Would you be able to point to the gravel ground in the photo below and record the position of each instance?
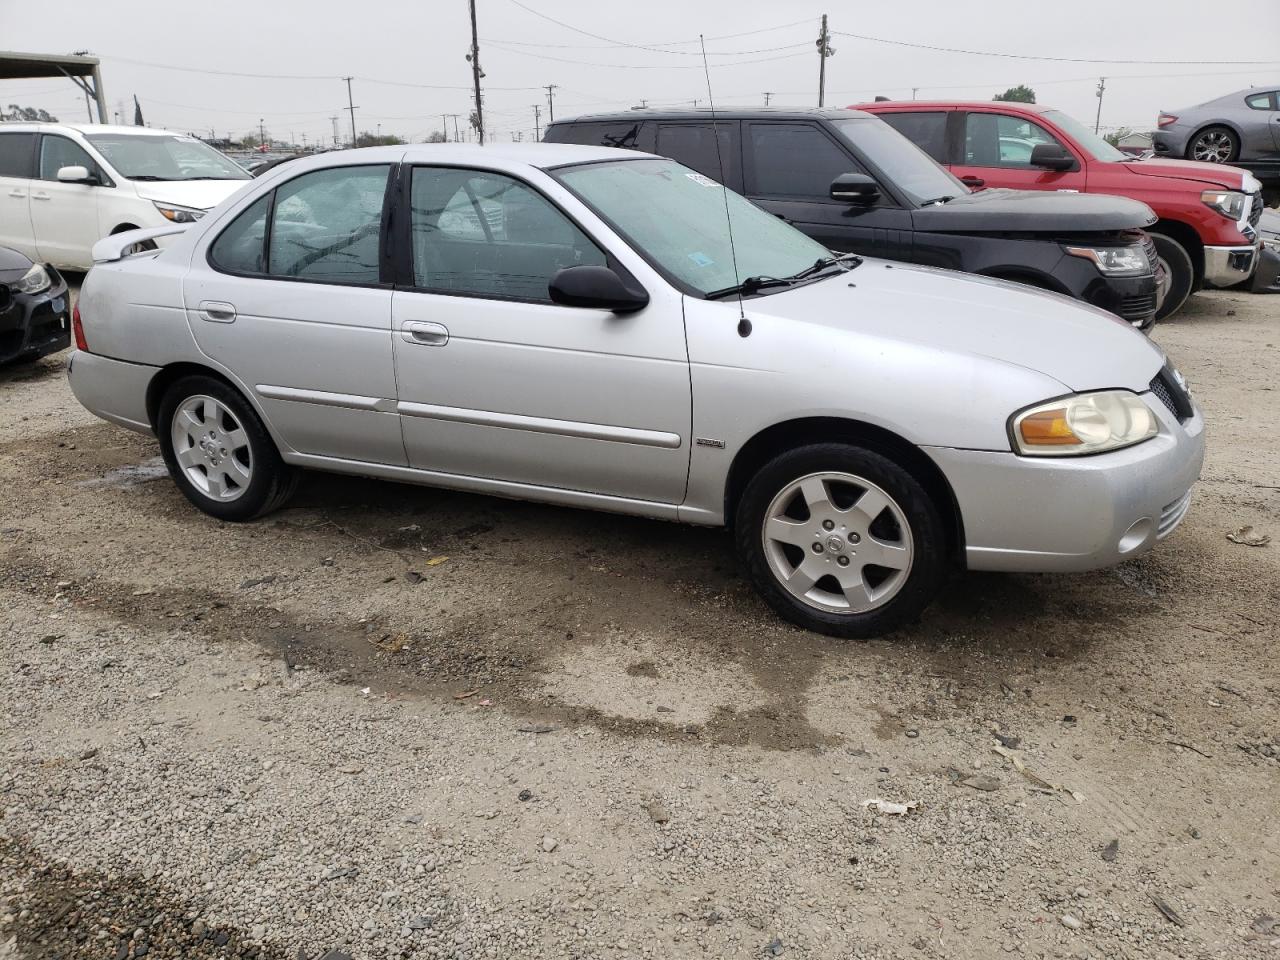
(398, 722)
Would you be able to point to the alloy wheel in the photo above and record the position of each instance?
(1213, 146)
(212, 448)
(838, 542)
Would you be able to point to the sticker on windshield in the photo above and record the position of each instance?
(700, 259)
(699, 178)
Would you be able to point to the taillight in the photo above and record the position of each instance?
(1165, 119)
(77, 330)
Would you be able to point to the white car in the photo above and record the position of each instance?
(63, 187)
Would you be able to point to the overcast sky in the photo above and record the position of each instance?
(408, 57)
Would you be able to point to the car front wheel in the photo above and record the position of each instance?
(1179, 275)
(218, 451)
(841, 540)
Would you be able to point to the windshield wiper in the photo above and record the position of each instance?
(946, 199)
(754, 284)
(151, 177)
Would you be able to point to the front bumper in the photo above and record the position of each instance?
(34, 325)
(1070, 514)
(1227, 266)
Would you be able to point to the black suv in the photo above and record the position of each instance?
(856, 185)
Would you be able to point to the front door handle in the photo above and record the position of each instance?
(18, 193)
(216, 311)
(424, 334)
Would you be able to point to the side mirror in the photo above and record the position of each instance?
(855, 188)
(1052, 156)
(599, 287)
(76, 174)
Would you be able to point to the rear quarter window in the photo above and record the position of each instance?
(625, 135)
(16, 153)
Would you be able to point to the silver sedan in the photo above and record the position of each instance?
(1244, 125)
(579, 326)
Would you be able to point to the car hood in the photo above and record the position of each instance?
(1215, 174)
(198, 194)
(1080, 346)
(1036, 211)
(13, 262)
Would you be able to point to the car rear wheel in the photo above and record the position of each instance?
(1179, 275)
(1214, 145)
(219, 453)
(841, 540)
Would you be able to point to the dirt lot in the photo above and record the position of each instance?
(392, 721)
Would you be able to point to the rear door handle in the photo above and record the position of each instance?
(424, 334)
(40, 196)
(217, 311)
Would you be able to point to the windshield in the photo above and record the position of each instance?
(164, 156)
(1089, 141)
(676, 218)
(912, 170)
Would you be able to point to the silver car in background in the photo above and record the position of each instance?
(577, 325)
(1244, 125)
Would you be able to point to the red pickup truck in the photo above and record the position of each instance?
(1207, 232)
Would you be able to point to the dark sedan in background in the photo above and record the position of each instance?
(35, 308)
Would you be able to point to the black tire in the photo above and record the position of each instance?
(1181, 273)
(929, 564)
(1221, 141)
(271, 480)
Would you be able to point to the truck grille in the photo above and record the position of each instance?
(1255, 212)
(1165, 387)
(1149, 248)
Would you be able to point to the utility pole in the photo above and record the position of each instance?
(444, 126)
(262, 135)
(351, 108)
(824, 50)
(334, 118)
(767, 96)
(551, 102)
(914, 91)
(476, 72)
(694, 102)
(457, 137)
(537, 121)
(1102, 88)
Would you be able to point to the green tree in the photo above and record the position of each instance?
(1019, 94)
(368, 139)
(435, 136)
(29, 114)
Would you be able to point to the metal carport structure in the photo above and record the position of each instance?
(82, 71)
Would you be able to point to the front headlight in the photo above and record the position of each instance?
(1088, 423)
(1229, 203)
(179, 214)
(1114, 261)
(35, 280)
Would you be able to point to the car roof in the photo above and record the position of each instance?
(86, 128)
(541, 156)
(723, 113)
(955, 104)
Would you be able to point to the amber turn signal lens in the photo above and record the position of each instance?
(1047, 428)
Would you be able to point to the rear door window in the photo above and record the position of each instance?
(928, 131)
(326, 225)
(694, 145)
(625, 135)
(794, 160)
(16, 151)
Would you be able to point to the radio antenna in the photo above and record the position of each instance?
(744, 325)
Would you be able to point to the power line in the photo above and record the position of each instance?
(646, 66)
(628, 46)
(1028, 56)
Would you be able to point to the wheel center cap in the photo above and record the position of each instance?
(835, 544)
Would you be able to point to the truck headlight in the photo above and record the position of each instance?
(35, 280)
(179, 214)
(1086, 423)
(1114, 261)
(1229, 203)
